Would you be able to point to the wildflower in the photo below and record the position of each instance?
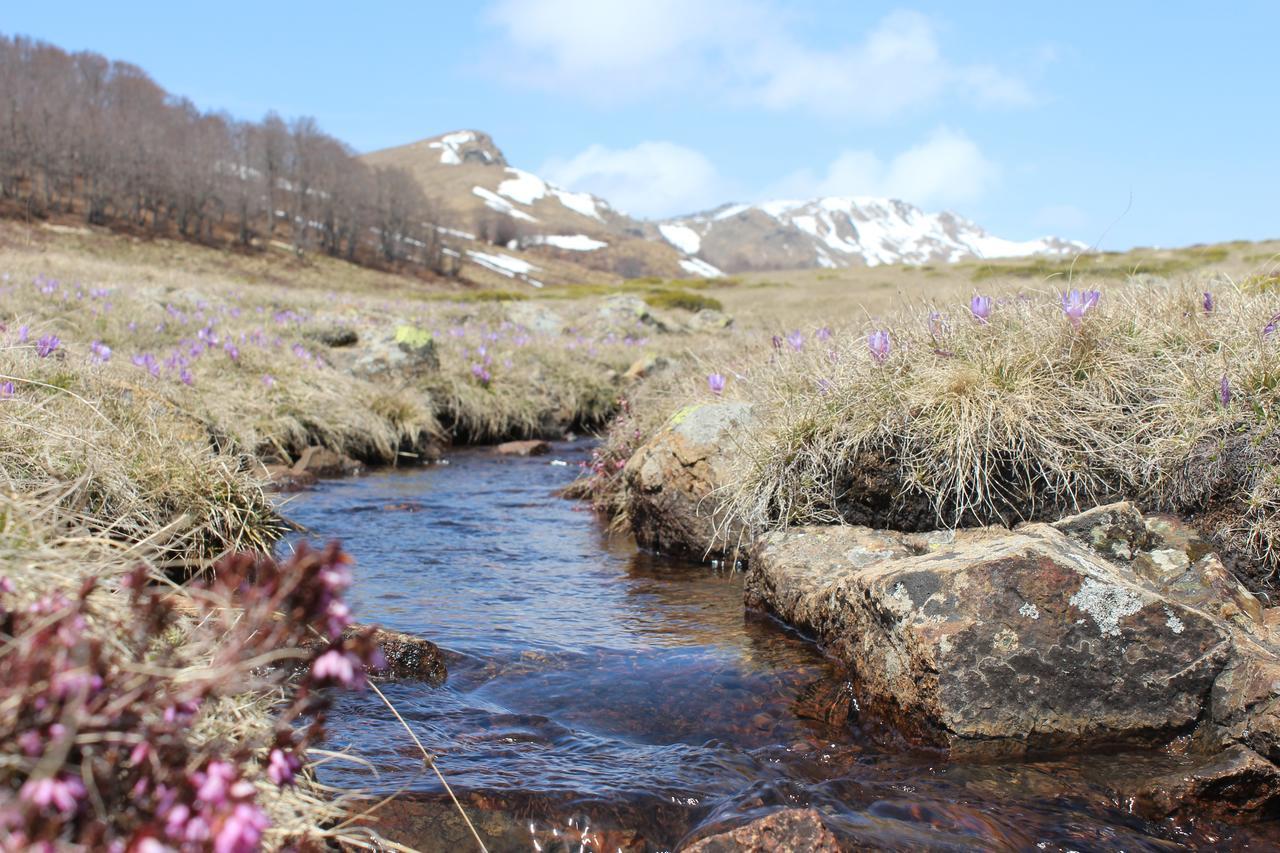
(63, 793)
(1272, 324)
(937, 325)
(337, 667)
(823, 334)
(241, 831)
(139, 753)
(47, 345)
(282, 766)
(482, 374)
(24, 333)
(232, 351)
(796, 340)
(825, 387)
(880, 344)
(186, 377)
(6, 390)
(1076, 304)
(337, 618)
(715, 382)
(1224, 392)
(980, 306)
(99, 353)
(214, 783)
(777, 341)
(268, 380)
(1208, 302)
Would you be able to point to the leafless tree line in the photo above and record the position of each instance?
(83, 135)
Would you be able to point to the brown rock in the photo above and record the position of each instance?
(1245, 704)
(282, 478)
(645, 366)
(786, 831)
(408, 656)
(1236, 785)
(523, 448)
(672, 481)
(992, 642)
(323, 462)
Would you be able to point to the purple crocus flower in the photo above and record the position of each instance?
(823, 334)
(715, 382)
(824, 387)
(186, 377)
(1272, 324)
(1076, 304)
(1208, 302)
(24, 333)
(99, 353)
(232, 351)
(981, 308)
(777, 341)
(47, 345)
(1224, 392)
(879, 344)
(481, 374)
(268, 380)
(796, 340)
(6, 390)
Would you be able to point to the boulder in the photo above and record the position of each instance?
(535, 317)
(625, 314)
(533, 447)
(323, 462)
(709, 320)
(403, 354)
(335, 336)
(785, 831)
(672, 481)
(995, 642)
(645, 366)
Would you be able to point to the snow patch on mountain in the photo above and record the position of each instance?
(571, 242)
(450, 146)
(496, 202)
(682, 237)
(505, 265)
(697, 266)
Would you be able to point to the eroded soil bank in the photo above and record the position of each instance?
(626, 701)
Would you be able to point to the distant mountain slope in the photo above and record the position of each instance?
(483, 199)
(839, 232)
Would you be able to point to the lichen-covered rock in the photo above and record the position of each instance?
(403, 354)
(623, 314)
(785, 831)
(1234, 785)
(672, 481)
(994, 642)
(708, 320)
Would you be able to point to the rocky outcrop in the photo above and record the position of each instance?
(785, 831)
(672, 481)
(401, 355)
(1235, 785)
(1107, 627)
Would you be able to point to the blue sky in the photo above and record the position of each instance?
(1124, 123)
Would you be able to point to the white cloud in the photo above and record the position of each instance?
(745, 50)
(649, 179)
(945, 169)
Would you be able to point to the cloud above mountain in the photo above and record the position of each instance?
(650, 179)
(747, 51)
(946, 168)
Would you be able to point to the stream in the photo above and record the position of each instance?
(603, 698)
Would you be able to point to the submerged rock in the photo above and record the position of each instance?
(996, 642)
(533, 447)
(673, 481)
(408, 656)
(1235, 785)
(785, 831)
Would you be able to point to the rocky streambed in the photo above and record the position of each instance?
(1099, 684)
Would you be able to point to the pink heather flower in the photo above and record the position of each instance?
(716, 382)
(980, 306)
(336, 577)
(6, 585)
(337, 667)
(181, 713)
(337, 618)
(139, 753)
(47, 345)
(241, 831)
(1076, 304)
(282, 766)
(213, 784)
(796, 340)
(880, 344)
(63, 793)
(1208, 302)
(6, 390)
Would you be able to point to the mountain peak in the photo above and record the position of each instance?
(465, 146)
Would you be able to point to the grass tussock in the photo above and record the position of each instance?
(1160, 394)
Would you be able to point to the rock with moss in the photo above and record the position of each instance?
(674, 482)
(405, 354)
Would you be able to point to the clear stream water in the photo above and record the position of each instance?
(603, 698)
